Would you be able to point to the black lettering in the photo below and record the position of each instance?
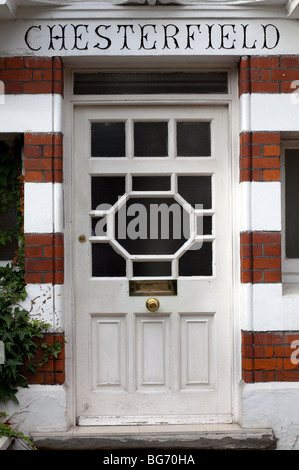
(79, 36)
(210, 26)
(62, 37)
(172, 36)
(245, 26)
(103, 37)
(266, 45)
(144, 37)
(226, 36)
(191, 35)
(26, 38)
(125, 26)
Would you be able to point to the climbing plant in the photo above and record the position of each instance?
(21, 335)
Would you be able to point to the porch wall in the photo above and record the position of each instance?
(269, 325)
(33, 96)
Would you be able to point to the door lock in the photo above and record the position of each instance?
(152, 304)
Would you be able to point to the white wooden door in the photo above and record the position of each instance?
(132, 164)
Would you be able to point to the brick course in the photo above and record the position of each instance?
(32, 75)
(51, 372)
(260, 254)
(44, 258)
(268, 74)
(260, 156)
(270, 356)
(43, 157)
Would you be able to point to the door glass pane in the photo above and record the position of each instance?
(196, 190)
(106, 190)
(154, 82)
(106, 262)
(151, 183)
(193, 139)
(197, 262)
(150, 139)
(152, 268)
(292, 203)
(108, 139)
(204, 225)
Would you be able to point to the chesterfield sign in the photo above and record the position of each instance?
(151, 37)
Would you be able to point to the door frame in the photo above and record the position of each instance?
(231, 100)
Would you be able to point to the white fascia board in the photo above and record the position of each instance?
(31, 113)
(260, 206)
(270, 112)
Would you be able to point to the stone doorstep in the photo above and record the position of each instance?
(229, 436)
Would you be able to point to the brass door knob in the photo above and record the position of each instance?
(152, 304)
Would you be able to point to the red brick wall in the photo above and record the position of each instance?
(270, 356)
(260, 156)
(43, 158)
(51, 372)
(32, 75)
(260, 254)
(44, 258)
(268, 74)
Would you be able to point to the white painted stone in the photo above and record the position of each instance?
(264, 307)
(38, 215)
(40, 408)
(273, 405)
(260, 206)
(43, 208)
(270, 112)
(58, 207)
(272, 310)
(245, 307)
(44, 302)
(277, 112)
(245, 190)
(266, 206)
(31, 113)
(245, 112)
